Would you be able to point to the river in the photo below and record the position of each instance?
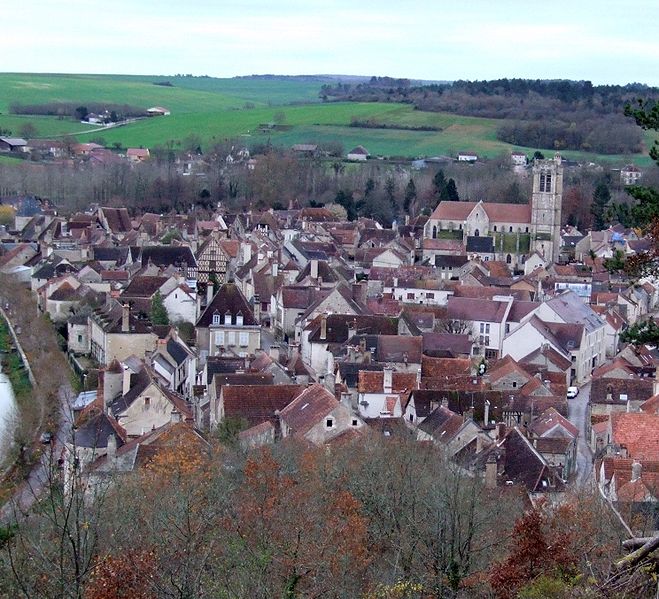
(7, 412)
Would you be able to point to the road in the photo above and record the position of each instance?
(577, 416)
(41, 474)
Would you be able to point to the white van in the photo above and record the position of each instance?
(572, 392)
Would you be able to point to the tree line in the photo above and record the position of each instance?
(559, 114)
(377, 518)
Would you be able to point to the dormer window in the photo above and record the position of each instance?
(227, 318)
(239, 319)
(216, 319)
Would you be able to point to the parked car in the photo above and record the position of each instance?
(572, 392)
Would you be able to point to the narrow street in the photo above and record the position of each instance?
(41, 474)
(577, 415)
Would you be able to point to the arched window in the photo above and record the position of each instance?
(510, 230)
(477, 233)
(509, 259)
(495, 228)
(434, 232)
(527, 229)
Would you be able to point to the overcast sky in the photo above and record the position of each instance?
(602, 40)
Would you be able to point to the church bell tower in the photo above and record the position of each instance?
(546, 207)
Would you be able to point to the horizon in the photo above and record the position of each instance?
(604, 42)
(423, 81)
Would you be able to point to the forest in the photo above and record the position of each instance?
(560, 114)
(375, 517)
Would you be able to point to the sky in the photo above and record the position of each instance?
(603, 41)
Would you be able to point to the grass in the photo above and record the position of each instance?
(45, 126)
(215, 110)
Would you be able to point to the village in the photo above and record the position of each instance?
(485, 328)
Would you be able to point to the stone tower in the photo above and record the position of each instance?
(546, 207)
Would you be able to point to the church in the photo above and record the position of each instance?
(499, 231)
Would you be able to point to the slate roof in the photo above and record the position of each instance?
(168, 255)
(144, 287)
(481, 244)
(229, 298)
(339, 326)
(398, 348)
(349, 371)
(111, 254)
(94, 433)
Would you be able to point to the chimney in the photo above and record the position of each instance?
(125, 318)
(501, 430)
(346, 400)
(623, 451)
(352, 329)
(314, 269)
(111, 448)
(486, 417)
(637, 470)
(491, 472)
(323, 327)
(330, 382)
(479, 444)
(126, 381)
(395, 281)
(256, 308)
(175, 416)
(444, 402)
(246, 252)
(468, 415)
(388, 376)
(359, 293)
(273, 352)
(275, 269)
(209, 293)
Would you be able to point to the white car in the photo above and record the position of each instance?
(572, 392)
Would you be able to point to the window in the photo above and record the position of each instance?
(507, 328)
(510, 229)
(526, 230)
(219, 338)
(410, 296)
(239, 320)
(430, 296)
(147, 403)
(79, 338)
(509, 259)
(354, 422)
(329, 422)
(434, 232)
(495, 228)
(482, 327)
(231, 338)
(514, 384)
(227, 318)
(216, 319)
(477, 233)
(244, 339)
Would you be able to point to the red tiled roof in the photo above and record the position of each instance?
(639, 432)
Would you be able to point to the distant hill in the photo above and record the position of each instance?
(215, 109)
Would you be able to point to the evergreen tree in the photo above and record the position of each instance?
(601, 198)
(410, 196)
(345, 199)
(158, 314)
(439, 185)
(452, 191)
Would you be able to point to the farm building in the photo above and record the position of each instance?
(158, 111)
(358, 153)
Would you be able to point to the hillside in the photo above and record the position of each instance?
(217, 109)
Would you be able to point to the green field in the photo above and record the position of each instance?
(45, 126)
(218, 109)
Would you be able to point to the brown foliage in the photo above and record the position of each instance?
(125, 576)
